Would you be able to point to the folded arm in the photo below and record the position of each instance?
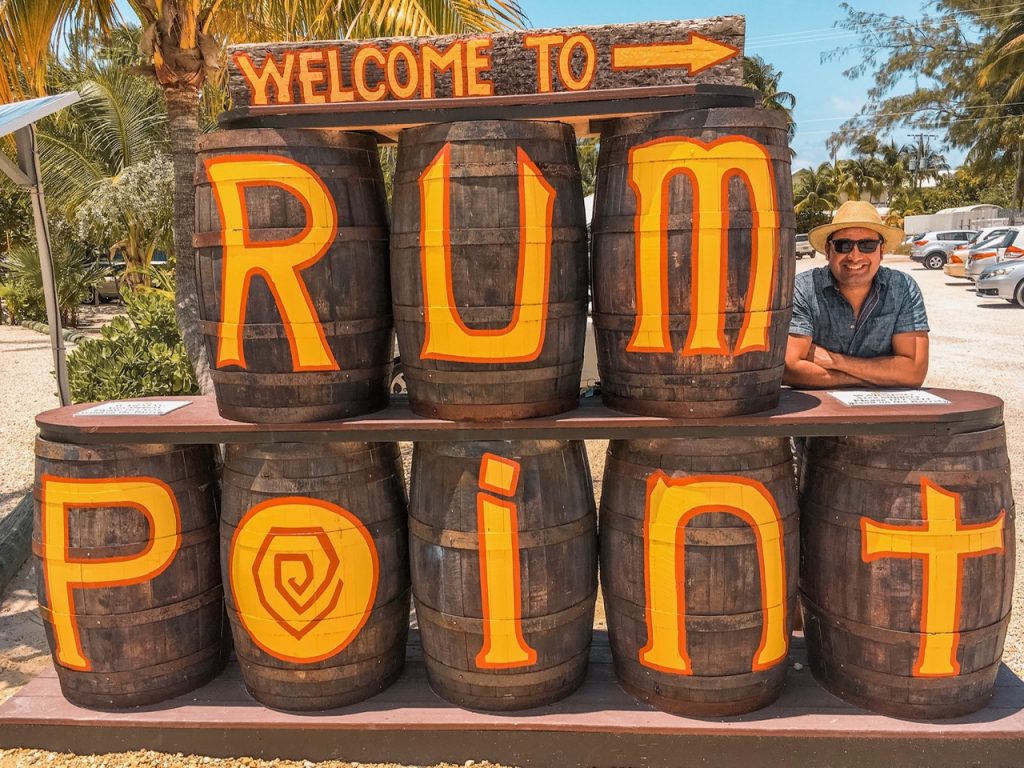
(808, 365)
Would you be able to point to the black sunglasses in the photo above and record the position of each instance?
(868, 245)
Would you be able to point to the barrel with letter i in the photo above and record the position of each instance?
(503, 545)
(906, 571)
(129, 580)
(699, 546)
(316, 569)
(292, 247)
(693, 259)
(489, 269)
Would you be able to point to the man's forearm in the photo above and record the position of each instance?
(808, 375)
(891, 371)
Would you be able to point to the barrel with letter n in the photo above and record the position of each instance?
(316, 569)
(907, 566)
(693, 259)
(699, 547)
(503, 546)
(489, 268)
(129, 580)
(292, 243)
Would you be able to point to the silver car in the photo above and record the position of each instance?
(1005, 280)
(992, 251)
(933, 248)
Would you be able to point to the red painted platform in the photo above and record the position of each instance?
(599, 725)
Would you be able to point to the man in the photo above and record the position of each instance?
(856, 323)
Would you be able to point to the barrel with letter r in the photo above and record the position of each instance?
(130, 593)
(693, 259)
(699, 548)
(292, 247)
(906, 571)
(489, 269)
(503, 545)
(316, 569)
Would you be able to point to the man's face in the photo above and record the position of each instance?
(854, 269)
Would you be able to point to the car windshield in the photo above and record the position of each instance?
(989, 240)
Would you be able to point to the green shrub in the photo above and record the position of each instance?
(139, 355)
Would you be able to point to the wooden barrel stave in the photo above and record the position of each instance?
(366, 480)
(681, 391)
(724, 615)
(485, 240)
(864, 627)
(348, 286)
(160, 638)
(557, 565)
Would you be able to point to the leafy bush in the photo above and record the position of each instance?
(140, 354)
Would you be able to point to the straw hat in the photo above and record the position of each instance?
(855, 213)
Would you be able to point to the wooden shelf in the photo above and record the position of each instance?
(799, 413)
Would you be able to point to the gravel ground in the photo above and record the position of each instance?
(975, 345)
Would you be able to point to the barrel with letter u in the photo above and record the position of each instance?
(129, 581)
(907, 567)
(699, 547)
(489, 268)
(503, 544)
(693, 260)
(292, 243)
(315, 561)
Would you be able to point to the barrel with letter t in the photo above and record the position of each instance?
(292, 244)
(503, 545)
(699, 545)
(693, 260)
(906, 570)
(129, 579)
(489, 269)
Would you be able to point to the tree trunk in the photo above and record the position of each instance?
(183, 126)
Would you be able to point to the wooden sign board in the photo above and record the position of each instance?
(567, 74)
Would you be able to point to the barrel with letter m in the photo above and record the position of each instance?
(292, 246)
(129, 579)
(699, 548)
(503, 545)
(489, 269)
(907, 567)
(693, 259)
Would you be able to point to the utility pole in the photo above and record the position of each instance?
(921, 154)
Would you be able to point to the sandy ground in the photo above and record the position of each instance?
(975, 345)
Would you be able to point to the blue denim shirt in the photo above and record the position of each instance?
(894, 305)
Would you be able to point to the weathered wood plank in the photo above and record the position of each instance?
(346, 76)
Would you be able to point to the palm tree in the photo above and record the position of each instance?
(815, 193)
(858, 177)
(185, 39)
(759, 74)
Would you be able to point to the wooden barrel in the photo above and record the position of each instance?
(493, 211)
(142, 599)
(315, 556)
(315, 201)
(907, 569)
(717, 519)
(503, 544)
(693, 292)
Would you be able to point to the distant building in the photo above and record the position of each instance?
(964, 217)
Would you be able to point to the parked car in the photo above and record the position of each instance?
(1003, 279)
(957, 263)
(804, 247)
(109, 288)
(1009, 245)
(933, 248)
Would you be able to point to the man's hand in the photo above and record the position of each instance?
(811, 366)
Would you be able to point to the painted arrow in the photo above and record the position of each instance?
(697, 54)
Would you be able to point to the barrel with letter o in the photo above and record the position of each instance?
(129, 580)
(292, 245)
(693, 260)
(503, 545)
(315, 561)
(489, 268)
(699, 547)
(907, 566)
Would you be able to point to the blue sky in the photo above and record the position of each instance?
(789, 34)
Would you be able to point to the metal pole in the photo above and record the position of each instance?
(28, 160)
